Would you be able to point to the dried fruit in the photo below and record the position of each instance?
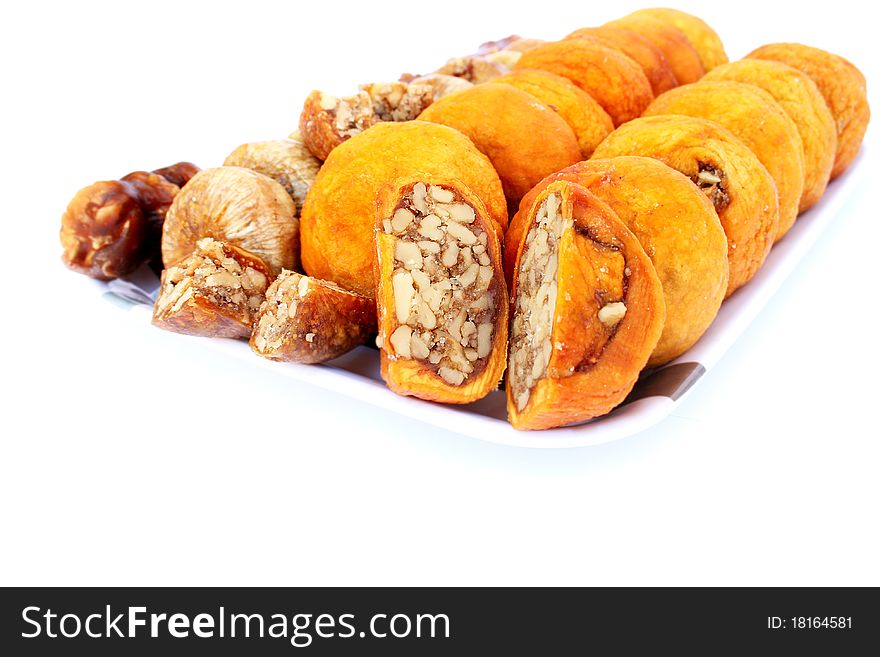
(841, 84)
(587, 311)
(441, 295)
(523, 138)
(798, 95)
(590, 123)
(476, 69)
(442, 85)
(774, 138)
(239, 207)
(703, 38)
(327, 121)
(675, 224)
(154, 192)
(104, 231)
(672, 42)
(513, 42)
(179, 173)
(113, 227)
(215, 292)
(340, 210)
(306, 320)
(616, 82)
(738, 185)
(287, 161)
(641, 50)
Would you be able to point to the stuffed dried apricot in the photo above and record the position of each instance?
(798, 95)
(699, 34)
(752, 115)
(590, 123)
(340, 209)
(587, 311)
(675, 224)
(523, 137)
(617, 82)
(725, 170)
(841, 84)
(441, 295)
(641, 50)
(672, 42)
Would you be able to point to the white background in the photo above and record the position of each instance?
(133, 456)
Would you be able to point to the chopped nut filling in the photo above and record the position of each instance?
(392, 101)
(442, 85)
(399, 101)
(282, 300)
(473, 68)
(351, 115)
(444, 284)
(232, 280)
(596, 271)
(712, 182)
(309, 320)
(535, 302)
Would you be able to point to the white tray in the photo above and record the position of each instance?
(655, 396)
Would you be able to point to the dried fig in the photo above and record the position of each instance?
(476, 69)
(239, 207)
(307, 320)
(442, 85)
(327, 121)
(215, 292)
(287, 161)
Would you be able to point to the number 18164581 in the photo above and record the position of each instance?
(809, 623)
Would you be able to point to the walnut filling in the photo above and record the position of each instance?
(350, 115)
(442, 85)
(219, 273)
(399, 101)
(532, 341)
(712, 182)
(392, 101)
(273, 329)
(444, 284)
(473, 68)
(532, 328)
